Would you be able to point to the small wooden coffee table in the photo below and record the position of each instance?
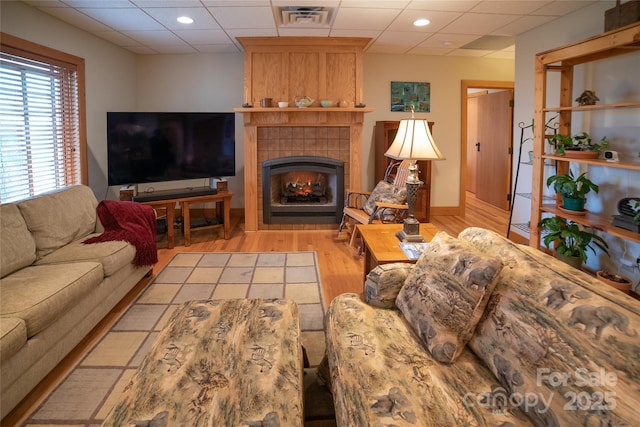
(381, 246)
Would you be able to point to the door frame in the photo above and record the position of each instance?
(465, 86)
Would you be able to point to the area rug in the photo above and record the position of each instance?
(92, 388)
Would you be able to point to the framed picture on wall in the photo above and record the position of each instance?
(406, 94)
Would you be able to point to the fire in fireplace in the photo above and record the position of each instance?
(302, 189)
(303, 186)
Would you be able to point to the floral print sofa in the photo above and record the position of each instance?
(484, 332)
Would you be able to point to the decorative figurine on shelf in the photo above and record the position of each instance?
(588, 97)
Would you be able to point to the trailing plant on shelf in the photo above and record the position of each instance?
(571, 239)
(573, 190)
(579, 142)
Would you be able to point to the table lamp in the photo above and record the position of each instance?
(413, 142)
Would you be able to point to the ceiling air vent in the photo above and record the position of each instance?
(304, 16)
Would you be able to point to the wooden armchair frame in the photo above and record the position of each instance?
(354, 213)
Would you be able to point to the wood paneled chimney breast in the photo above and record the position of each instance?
(286, 68)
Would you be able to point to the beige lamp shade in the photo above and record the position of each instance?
(413, 141)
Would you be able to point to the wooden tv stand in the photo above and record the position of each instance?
(168, 201)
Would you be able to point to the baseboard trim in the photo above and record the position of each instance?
(446, 210)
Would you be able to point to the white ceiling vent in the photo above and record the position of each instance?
(304, 16)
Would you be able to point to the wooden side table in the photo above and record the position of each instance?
(381, 246)
(223, 205)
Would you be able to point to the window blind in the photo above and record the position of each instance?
(39, 125)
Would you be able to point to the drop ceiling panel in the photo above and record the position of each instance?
(510, 7)
(444, 5)
(123, 19)
(103, 4)
(401, 38)
(364, 19)
(377, 4)
(167, 3)
(523, 24)
(155, 38)
(447, 41)
(202, 19)
(243, 17)
(78, 18)
(561, 8)
(204, 37)
(438, 20)
(479, 23)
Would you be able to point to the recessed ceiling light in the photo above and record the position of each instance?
(185, 20)
(422, 22)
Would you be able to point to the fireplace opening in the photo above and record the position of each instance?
(302, 189)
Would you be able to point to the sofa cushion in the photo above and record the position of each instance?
(40, 294)
(17, 247)
(13, 335)
(445, 294)
(383, 283)
(387, 193)
(552, 331)
(60, 217)
(383, 376)
(112, 255)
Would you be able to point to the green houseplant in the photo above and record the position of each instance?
(571, 240)
(573, 190)
(581, 142)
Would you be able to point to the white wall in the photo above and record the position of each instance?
(195, 83)
(614, 80)
(110, 76)
(445, 74)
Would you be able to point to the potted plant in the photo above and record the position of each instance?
(571, 240)
(573, 190)
(579, 145)
(615, 280)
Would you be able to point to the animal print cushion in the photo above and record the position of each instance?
(384, 282)
(387, 193)
(445, 294)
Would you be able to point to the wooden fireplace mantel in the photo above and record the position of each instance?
(286, 69)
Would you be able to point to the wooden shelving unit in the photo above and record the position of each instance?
(621, 41)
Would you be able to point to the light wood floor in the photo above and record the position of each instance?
(341, 270)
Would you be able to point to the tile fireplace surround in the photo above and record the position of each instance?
(271, 133)
(278, 142)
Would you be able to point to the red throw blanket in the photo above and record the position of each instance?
(131, 222)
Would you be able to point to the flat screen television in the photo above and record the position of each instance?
(155, 147)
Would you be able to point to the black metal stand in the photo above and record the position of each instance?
(522, 127)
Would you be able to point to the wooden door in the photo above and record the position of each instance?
(493, 173)
(472, 139)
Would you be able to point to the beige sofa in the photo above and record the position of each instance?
(53, 288)
(448, 342)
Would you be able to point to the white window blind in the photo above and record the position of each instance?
(39, 125)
